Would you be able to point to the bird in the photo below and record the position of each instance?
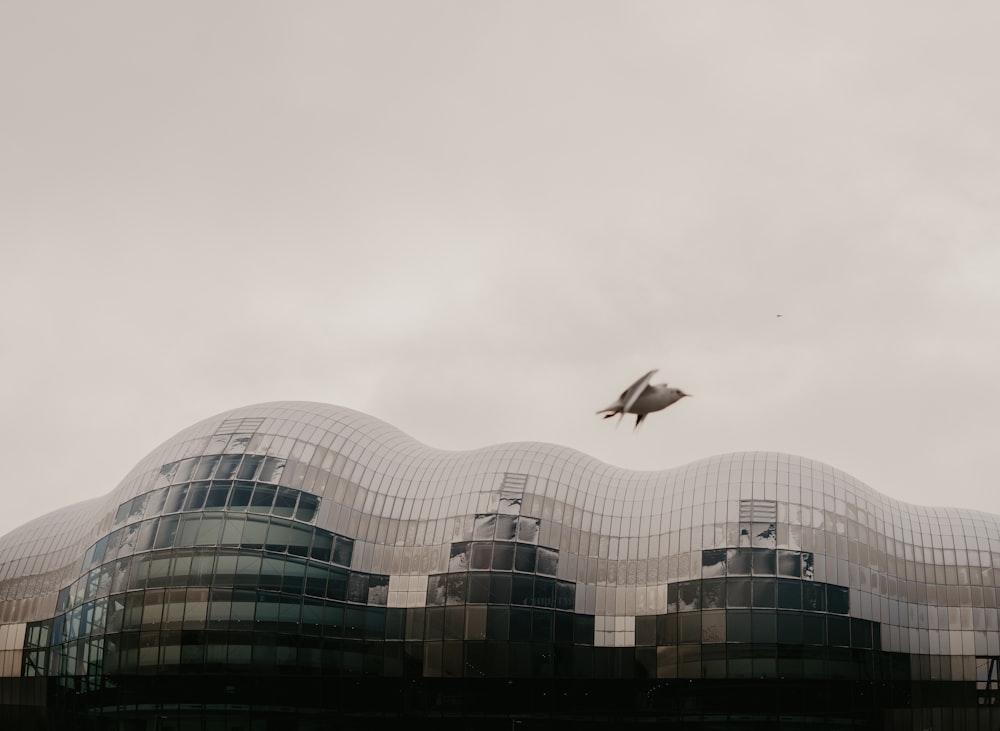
(642, 399)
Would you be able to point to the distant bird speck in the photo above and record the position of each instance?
(642, 399)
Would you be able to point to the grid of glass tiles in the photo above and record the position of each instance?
(727, 567)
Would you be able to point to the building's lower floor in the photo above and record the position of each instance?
(195, 702)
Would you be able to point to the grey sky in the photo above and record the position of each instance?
(480, 221)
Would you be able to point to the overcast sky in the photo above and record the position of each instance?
(481, 221)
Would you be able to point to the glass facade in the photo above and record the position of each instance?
(300, 566)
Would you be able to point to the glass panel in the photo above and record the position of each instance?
(484, 527)
(316, 580)
(456, 588)
(137, 507)
(459, 558)
(232, 533)
(689, 596)
(271, 571)
(763, 628)
(524, 558)
(713, 594)
(503, 557)
(240, 498)
(813, 628)
(521, 591)
(248, 568)
(837, 599)
(738, 592)
(738, 562)
(763, 592)
(527, 529)
(505, 526)
(813, 596)
(790, 628)
(271, 469)
(565, 595)
(166, 532)
(500, 588)
(284, 503)
(228, 466)
(218, 494)
(482, 555)
(378, 590)
(738, 626)
(548, 561)
(210, 530)
(263, 499)
(299, 540)
(254, 533)
(307, 506)
(206, 467)
(838, 631)
(789, 594)
(479, 588)
(175, 498)
(196, 495)
(713, 563)
(343, 550)
(279, 534)
(248, 468)
(764, 561)
(790, 564)
(357, 588)
(322, 546)
(187, 530)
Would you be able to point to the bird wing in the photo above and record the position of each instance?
(633, 392)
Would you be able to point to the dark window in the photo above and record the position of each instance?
(837, 599)
(521, 590)
(284, 502)
(240, 497)
(789, 594)
(218, 494)
(482, 556)
(839, 631)
(500, 588)
(306, 509)
(813, 596)
(790, 628)
(503, 557)
(479, 588)
(763, 627)
(689, 627)
(738, 626)
(520, 624)
(763, 592)
(813, 628)
(262, 499)
(738, 592)
(565, 595)
(525, 558)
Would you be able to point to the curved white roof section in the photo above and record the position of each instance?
(391, 493)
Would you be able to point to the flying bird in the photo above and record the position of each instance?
(642, 399)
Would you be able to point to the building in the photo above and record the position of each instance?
(301, 566)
